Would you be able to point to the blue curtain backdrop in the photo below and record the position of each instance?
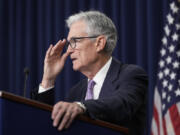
(28, 27)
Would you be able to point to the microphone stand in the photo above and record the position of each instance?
(26, 72)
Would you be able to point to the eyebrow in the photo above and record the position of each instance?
(81, 37)
(73, 38)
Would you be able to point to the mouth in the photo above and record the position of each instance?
(73, 59)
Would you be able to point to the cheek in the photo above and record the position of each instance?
(86, 57)
(83, 58)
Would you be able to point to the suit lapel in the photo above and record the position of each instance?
(111, 76)
(83, 89)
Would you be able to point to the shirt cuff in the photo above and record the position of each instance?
(81, 105)
(41, 89)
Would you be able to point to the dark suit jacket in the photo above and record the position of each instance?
(122, 99)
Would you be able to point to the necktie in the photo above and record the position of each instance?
(89, 93)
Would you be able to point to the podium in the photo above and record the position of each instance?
(22, 116)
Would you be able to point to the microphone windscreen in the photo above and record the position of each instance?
(26, 70)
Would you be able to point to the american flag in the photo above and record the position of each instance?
(166, 109)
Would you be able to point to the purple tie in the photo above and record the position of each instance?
(89, 93)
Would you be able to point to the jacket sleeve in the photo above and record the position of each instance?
(45, 97)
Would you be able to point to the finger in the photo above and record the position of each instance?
(48, 51)
(64, 41)
(76, 111)
(61, 45)
(65, 120)
(73, 116)
(58, 117)
(58, 44)
(56, 108)
(56, 47)
(64, 56)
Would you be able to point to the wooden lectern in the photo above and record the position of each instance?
(22, 116)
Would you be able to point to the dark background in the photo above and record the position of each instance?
(28, 27)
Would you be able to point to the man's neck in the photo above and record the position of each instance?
(96, 67)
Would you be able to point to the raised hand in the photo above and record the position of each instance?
(53, 63)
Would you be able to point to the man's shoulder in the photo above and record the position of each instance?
(123, 68)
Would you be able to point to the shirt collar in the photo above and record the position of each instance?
(101, 74)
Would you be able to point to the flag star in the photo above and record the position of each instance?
(177, 26)
(171, 48)
(163, 52)
(164, 41)
(163, 106)
(165, 83)
(178, 53)
(172, 76)
(177, 92)
(170, 19)
(175, 37)
(160, 75)
(170, 87)
(161, 63)
(173, 7)
(167, 30)
(169, 98)
(166, 71)
(164, 95)
(168, 59)
(176, 64)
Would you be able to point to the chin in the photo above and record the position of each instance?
(75, 68)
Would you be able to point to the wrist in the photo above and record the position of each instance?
(82, 106)
(47, 83)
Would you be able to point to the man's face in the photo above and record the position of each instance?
(84, 55)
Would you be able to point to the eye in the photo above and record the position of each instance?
(72, 41)
(77, 39)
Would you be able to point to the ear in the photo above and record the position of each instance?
(100, 43)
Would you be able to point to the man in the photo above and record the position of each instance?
(113, 91)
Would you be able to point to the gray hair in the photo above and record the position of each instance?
(97, 24)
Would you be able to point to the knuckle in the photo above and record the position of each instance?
(75, 109)
(67, 115)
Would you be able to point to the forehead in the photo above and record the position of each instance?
(77, 29)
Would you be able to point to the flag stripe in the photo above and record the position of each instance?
(178, 107)
(174, 115)
(169, 127)
(154, 128)
(158, 105)
(164, 127)
(156, 120)
(158, 114)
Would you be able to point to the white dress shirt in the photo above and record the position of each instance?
(99, 78)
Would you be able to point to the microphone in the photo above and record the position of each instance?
(26, 72)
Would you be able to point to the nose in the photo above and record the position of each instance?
(69, 49)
